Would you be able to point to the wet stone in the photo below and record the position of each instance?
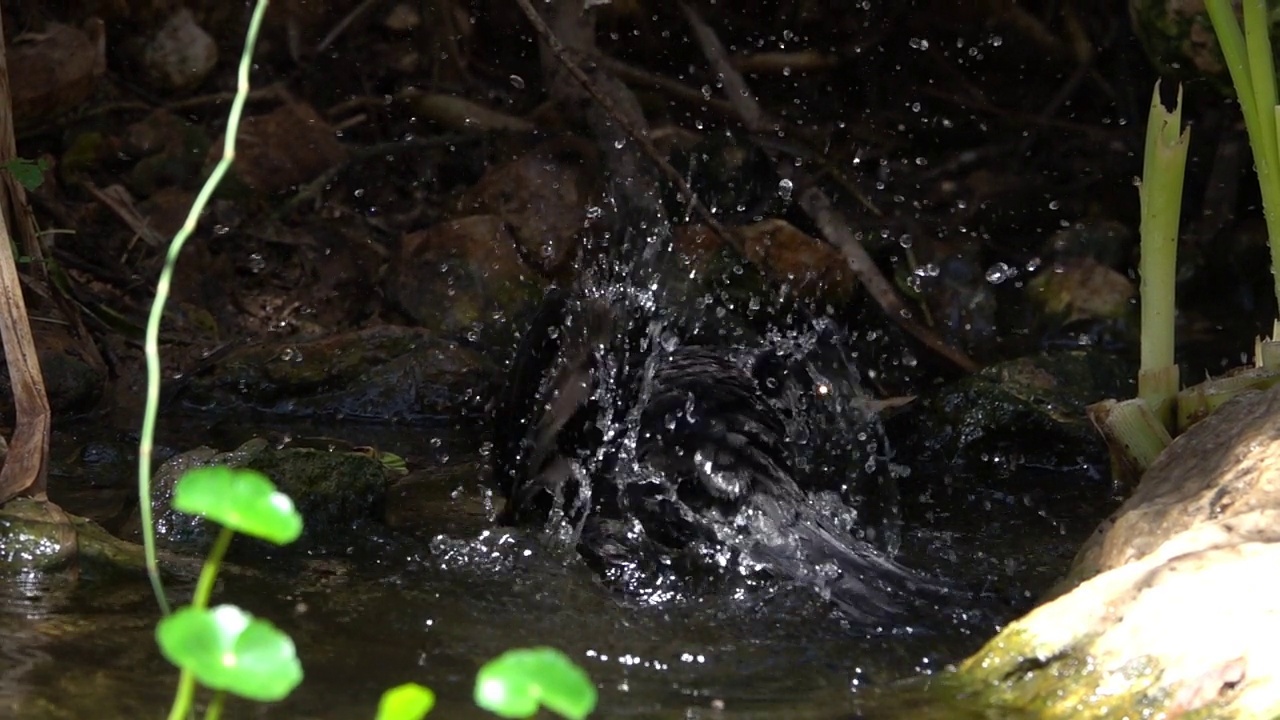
(337, 492)
(35, 535)
(382, 373)
(540, 196)
(465, 280)
(1027, 411)
(281, 150)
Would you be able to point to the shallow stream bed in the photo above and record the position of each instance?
(431, 607)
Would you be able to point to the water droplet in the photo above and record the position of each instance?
(998, 273)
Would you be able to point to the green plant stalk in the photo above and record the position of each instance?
(1160, 196)
(214, 711)
(1252, 66)
(184, 698)
(146, 444)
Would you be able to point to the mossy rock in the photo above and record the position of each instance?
(339, 493)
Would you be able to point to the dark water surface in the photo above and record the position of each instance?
(432, 607)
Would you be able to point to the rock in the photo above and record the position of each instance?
(402, 18)
(38, 536)
(54, 71)
(997, 419)
(1178, 614)
(283, 149)
(1084, 289)
(337, 492)
(953, 286)
(1185, 629)
(451, 500)
(181, 54)
(170, 151)
(1214, 479)
(35, 535)
(808, 266)
(382, 373)
(541, 197)
(464, 279)
(73, 384)
(712, 278)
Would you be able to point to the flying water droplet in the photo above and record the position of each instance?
(999, 272)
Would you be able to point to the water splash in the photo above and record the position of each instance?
(678, 445)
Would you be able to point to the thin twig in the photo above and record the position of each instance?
(816, 203)
(342, 26)
(642, 139)
(735, 86)
(836, 229)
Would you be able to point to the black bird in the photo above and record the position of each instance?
(655, 452)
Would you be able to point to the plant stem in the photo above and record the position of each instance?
(146, 443)
(1252, 65)
(185, 695)
(1160, 195)
(209, 572)
(214, 711)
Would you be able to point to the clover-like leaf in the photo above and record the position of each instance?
(518, 682)
(409, 701)
(240, 499)
(228, 649)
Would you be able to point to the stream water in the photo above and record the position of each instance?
(432, 606)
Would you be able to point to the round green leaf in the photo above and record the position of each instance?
(240, 499)
(28, 173)
(228, 649)
(516, 683)
(410, 701)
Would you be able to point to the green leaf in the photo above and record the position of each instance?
(518, 682)
(410, 701)
(28, 173)
(240, 499)
(228, 649)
